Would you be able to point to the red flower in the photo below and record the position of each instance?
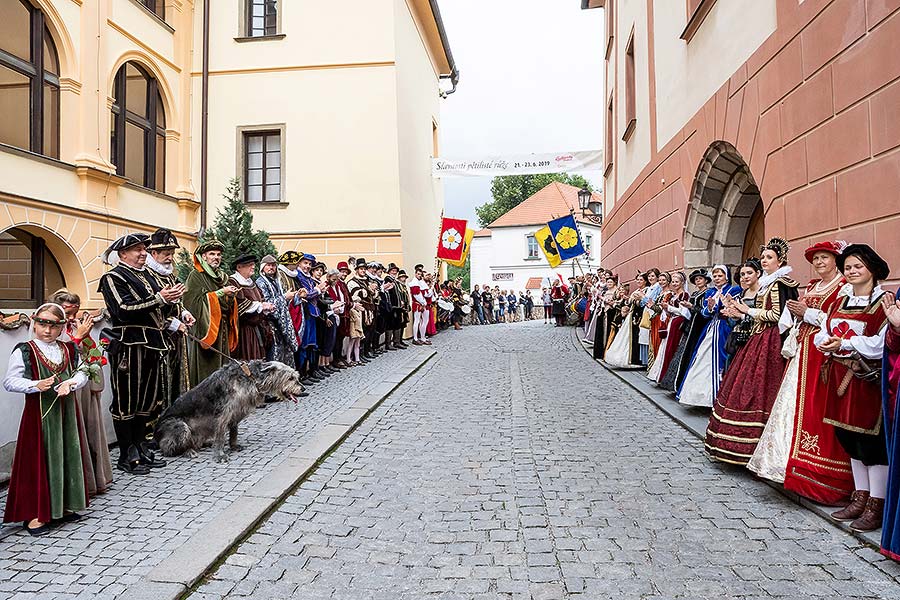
(104, 341)
(103, 361)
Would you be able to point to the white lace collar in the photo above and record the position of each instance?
(287, 271)
(767, 280)
(159, 267)
(847, 290)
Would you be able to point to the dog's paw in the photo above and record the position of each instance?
(192, 453)
(236, 448)
(220, 458)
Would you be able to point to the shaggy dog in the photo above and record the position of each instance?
(203, 415)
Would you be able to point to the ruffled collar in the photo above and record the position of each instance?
(160, 268)
(766, 281)
(286, 271)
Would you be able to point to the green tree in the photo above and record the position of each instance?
(463, 271)
(233, 226)
(508, 191)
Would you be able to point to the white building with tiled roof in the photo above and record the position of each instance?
(505, 253)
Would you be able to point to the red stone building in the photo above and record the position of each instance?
(732, 120)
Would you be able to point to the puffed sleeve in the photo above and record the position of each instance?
(15, 380)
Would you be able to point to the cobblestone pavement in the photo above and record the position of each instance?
(138, 523)
(514, 467)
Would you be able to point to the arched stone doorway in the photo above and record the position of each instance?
(725, 219)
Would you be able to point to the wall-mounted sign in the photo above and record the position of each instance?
(501, 276)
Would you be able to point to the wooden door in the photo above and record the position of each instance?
(756, 233)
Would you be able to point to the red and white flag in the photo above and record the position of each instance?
(451, 242)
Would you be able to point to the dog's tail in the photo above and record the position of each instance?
(173, 437)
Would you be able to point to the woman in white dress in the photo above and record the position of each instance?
(620, 352)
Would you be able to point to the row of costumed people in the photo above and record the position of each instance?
(802, 383)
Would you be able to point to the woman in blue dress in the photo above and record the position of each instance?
(701, 384)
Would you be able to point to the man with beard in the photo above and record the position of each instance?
(137, 351)
(284, 340)
(287, 276)
(405, 307)
(255, 335)
(375, 272)
(210, 298)
(394, 317)
(358, 285)
(337, 290)
(161, 264)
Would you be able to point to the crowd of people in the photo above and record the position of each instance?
(801, 382)
(165, 336)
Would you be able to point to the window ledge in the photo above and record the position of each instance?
(260, 38)
(154, 15)
(629, 129)
(266, 204)
(532, 258)
(138, 187)
(35, 156)
(696, 19)
(607, 170)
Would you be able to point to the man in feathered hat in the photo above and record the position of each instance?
(210, 298)
(161, 264)
(139, 381)
(294, 294)
(358, 285)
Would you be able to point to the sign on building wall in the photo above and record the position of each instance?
(521, 164)
(501, 277)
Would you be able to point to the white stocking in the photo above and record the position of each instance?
(878, 476)
(423, 326)
(860, 475)
(417, 318)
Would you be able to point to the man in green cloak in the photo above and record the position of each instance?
(210, 299)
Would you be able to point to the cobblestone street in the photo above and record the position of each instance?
(514, 467)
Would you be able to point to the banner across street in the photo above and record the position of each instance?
(519, 164)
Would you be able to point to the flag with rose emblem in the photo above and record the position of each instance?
(565, 234)
(451, 243)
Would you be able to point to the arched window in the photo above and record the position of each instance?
(28, 270)
(29, 80)
(138, 145)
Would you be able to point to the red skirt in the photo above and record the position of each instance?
(745, 398)
(673, 338)
(818, 467)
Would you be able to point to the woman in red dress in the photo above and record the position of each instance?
(673, 320)
(817, 466)
(853, 340)
(657, 324)
(751, 382)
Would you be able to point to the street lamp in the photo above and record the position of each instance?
(590, 208)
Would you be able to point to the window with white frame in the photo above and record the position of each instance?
(262, 18)
(588, 238)
(262, 166)
(532, 247)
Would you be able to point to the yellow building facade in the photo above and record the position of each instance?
(329, 114)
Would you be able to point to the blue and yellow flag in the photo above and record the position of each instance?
(544, 239)
(565, 234)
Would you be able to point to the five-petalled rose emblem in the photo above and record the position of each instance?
(451, 239)
(566, 238)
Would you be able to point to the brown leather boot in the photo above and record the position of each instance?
(871, 517)
(854, 510)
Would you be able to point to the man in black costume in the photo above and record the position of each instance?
(137, 305)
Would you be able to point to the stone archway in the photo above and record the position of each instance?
(723, 202)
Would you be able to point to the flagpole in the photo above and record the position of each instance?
(437, 248)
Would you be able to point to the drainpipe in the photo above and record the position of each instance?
(454, 72)
(204, 119)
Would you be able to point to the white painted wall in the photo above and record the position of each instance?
(506, 251)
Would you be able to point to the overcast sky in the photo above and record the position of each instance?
(531, 81)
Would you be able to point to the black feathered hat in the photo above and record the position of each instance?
(124, 243)
(877, 265)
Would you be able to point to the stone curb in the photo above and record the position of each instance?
(695, 422)
(179, 572)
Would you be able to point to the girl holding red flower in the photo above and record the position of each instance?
(853, 336)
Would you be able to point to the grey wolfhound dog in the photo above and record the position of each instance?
(203, 415)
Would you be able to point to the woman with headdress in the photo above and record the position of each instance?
(852, 339)
(704, 373)
(692, 325)
(749, 387)
(796, 447)
(605, 315)
(647, 301)
(624, 350)
(48, 481)
(741, 324)
(659, 323)
(672, 320)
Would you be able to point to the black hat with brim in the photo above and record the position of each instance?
(876, 265)
(162, 239)
(360, 263)
(125, 242)
(700, 273)
(243, 259)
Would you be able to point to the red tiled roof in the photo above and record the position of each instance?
(551, 202)
(483, 233)
(534, 283)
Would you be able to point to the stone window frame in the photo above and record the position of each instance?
(529, 255)
(241, 155)
(40, 256)
(245, 31)
(630, 90)
(610, 18)
(610, 137)
(697, 10)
